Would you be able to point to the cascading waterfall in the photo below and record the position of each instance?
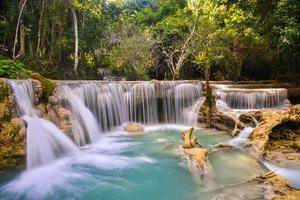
(114, 104)
(243, 136)
(45, 142)
(85, 127)
(141, 103)
(184, 100)
(245, 98)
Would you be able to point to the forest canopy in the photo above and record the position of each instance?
(151, 39)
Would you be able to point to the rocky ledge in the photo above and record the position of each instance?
(278, 136)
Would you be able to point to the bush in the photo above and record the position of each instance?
(12, 69)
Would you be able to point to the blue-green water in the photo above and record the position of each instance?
(140, 166)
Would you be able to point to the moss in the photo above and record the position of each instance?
(12, 152)
(5, 109)
(47, 84)
(4, 89)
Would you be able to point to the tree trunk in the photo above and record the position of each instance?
(22, 38)
(17, 27)
(76, 36)
(38, 52)
(210, 102)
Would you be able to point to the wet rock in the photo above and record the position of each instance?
(134, 128)
(199, 156)
(12, 140)
(247, 118)
(191, 148)
(268, 186)
(47, 85)
(277, 134)
(12, 132)
(60, 116)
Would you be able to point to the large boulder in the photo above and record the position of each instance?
(278, 135)
(134, 128)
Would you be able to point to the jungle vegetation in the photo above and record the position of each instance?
(151, 39)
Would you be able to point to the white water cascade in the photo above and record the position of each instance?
(84, 125)
(45, 142)
(247, 98)
(243, 137)
(114, 104)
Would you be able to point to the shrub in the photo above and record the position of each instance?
(13, 69)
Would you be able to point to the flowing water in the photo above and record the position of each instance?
(249, 98)
(123, 166)
(45, 142)
(112, 164)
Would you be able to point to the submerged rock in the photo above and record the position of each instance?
(134, 128)
(193, 150)
(268, 186)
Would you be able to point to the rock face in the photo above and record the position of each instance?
(193, 150)
(12, 132)
(134, 128)
(278, 135)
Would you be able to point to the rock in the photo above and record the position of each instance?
(278, 132)
(268, 186)
(297, 145)
(48, 86)
(247, 118)
(12, 140)
(220, 121)
(60, 116)
(193, 150)
(199, 156)
(134, 128)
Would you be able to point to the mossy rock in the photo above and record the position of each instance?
(4, 89)
(47, 84)
(12, 151)
(5, 109)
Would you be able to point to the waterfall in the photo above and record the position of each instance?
(24, 96)
(243, 136)
(116, 103)
(45, 142)
(246, 98)
(181, 102)
(84, 125)
(141, 103)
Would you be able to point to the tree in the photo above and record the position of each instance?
(131, 52)
(75, 23)
(22, 3)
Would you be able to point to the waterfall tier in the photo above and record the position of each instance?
(248, 98)
(115, 103)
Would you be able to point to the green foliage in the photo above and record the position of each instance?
(12, 69)
(237, 37)
(131, 51)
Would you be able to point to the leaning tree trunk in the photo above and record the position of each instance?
(76, 36)
(17, 28)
